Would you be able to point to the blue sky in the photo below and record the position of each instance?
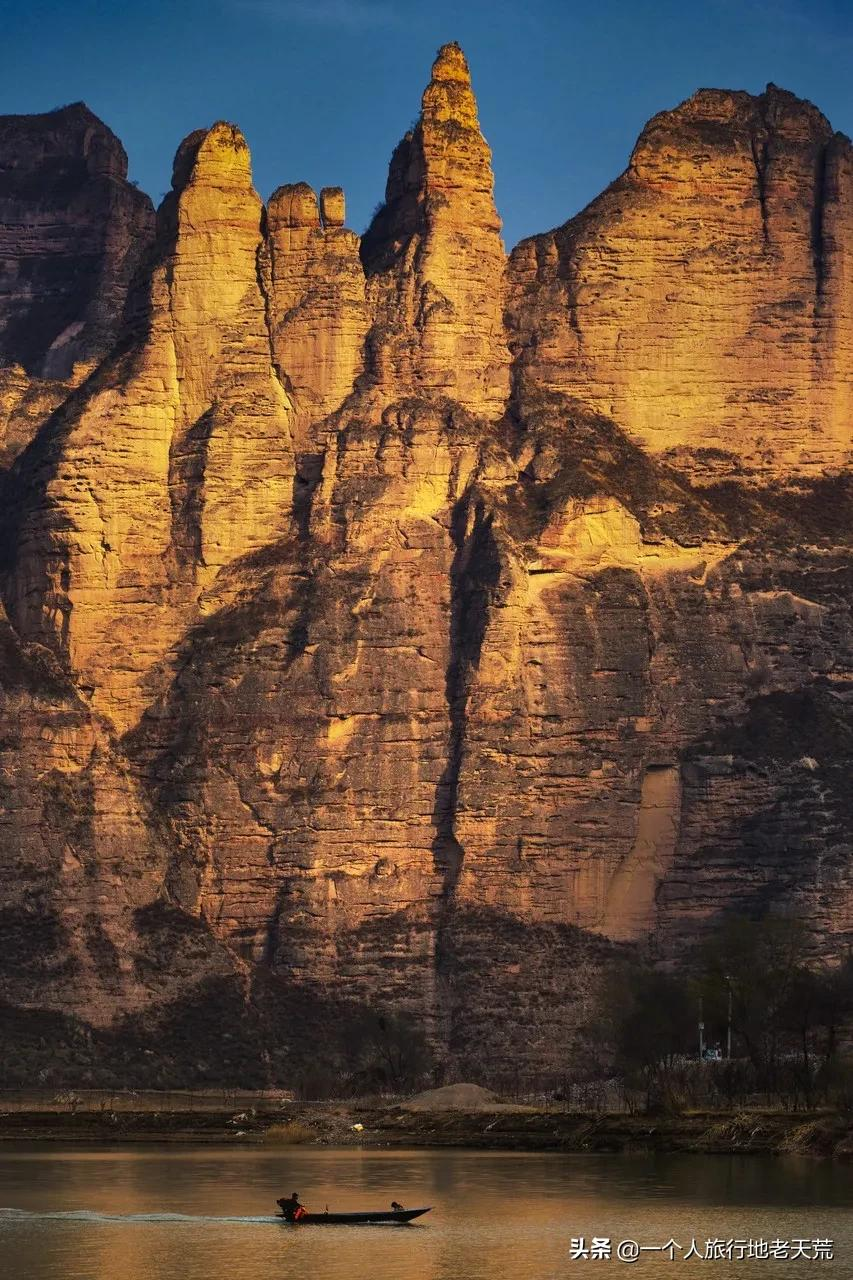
(323, 89)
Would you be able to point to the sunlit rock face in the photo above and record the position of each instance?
(319, 316)
(434, 257)
(173, 460)
(704, 300)
(25, 404)
(389, 631)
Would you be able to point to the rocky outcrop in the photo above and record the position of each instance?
(25, 405)
(703, 301)
(369, 653)
(73, 231)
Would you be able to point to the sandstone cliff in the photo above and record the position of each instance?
(707, 291)
(72, 232)
(392, 626)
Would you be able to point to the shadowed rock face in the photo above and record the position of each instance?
(72, 232)
(391, 627)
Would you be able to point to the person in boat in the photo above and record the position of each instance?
(291, 1208)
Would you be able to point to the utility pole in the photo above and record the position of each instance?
(729, 1031)
(701, 1032)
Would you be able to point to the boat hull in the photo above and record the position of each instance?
(399, 1216)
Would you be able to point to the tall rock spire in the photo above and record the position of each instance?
(434, 257)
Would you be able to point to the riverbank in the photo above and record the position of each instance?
(270, 1120)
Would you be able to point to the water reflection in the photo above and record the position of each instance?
(495, 1214)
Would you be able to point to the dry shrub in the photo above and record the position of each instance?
(290, 1134)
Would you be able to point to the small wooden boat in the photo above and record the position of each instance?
(400, 1216)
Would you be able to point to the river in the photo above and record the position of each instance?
(203, 1213)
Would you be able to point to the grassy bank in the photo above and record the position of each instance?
(253, 1118)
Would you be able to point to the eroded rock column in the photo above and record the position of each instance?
(318, 315)
(434, 257)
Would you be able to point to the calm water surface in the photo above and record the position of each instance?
(164, 1213)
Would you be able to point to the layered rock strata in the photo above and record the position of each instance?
(371, 647)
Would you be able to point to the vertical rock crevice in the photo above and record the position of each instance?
(759, 159)
(187, 463)
(475, 573)
(817, 223)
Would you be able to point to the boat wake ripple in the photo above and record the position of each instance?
(9, 1216)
